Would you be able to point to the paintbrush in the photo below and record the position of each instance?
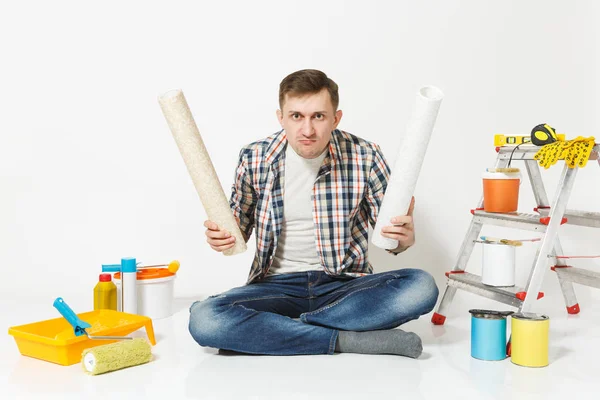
(519, 242)
(504, 170)
(488, 239)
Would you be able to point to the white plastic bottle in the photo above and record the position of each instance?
(129, 285)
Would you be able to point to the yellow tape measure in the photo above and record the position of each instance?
(543, 134)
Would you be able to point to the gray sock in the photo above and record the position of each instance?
(392, 341)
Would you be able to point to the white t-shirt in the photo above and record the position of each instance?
(296, 247)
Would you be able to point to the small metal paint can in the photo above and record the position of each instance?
(529, 347)
(488, 334)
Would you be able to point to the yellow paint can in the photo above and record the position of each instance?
(529, 344)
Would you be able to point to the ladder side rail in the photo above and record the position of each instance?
(540, 264)
(541, 198)
(537, 184)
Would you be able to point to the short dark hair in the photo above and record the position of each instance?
(308, 81)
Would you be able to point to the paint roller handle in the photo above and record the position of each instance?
(66, 311)
(111, 267)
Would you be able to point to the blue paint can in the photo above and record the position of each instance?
(488, 334)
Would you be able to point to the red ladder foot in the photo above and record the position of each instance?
(521, 295)
(573, 309)
(438, 319)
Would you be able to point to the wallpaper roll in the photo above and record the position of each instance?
(403, 179)
(200, 167)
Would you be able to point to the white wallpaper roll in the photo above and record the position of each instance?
(403, 179)
(200, 167)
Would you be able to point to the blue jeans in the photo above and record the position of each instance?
(303, 312)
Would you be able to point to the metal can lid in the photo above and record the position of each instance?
(530, 316)
(490, 314)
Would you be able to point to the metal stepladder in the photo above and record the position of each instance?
(549, 218)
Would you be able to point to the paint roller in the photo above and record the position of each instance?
(110, 357)
(78, 324)
(115, 356)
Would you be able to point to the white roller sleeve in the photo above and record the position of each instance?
(403, 179)
(198, 163)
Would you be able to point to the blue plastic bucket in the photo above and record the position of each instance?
(488, 334)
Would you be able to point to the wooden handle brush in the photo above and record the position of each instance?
(173, 266)
(517, 243)
(505, 170)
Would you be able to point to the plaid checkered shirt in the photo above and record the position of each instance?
(346, 197)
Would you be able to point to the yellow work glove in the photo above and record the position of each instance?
(575, 152)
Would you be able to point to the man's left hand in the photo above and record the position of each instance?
(402, 230)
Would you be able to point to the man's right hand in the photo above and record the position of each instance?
(218, 239)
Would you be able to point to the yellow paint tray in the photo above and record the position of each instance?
(54, 340)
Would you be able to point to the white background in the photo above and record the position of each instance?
(90, 173)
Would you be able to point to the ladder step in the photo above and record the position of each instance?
(528, 152)
(472, 283)
(579, 275)
(579, 218)
(530, 222)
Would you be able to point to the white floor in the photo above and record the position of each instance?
(181, 369)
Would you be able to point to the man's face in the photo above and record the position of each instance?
(308, 121)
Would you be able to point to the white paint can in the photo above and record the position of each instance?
(498, 268)
(155, 290)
